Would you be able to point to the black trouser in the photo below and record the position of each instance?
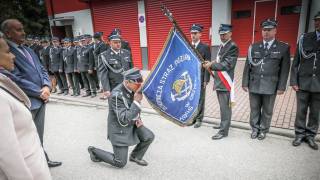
(307, 100)
(200, 115)
(119, 156)
(74, 81)
(38, 116)
(61, 80)
(96, 78)
(261, 110)
(225, 111)
(89, 83)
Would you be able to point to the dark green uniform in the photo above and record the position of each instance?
(305, 73)
(56, 67)
(266, 71)
(111, 66)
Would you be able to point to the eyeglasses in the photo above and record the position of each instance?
(137, 81)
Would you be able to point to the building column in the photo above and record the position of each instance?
(143, 33)
(221, 14)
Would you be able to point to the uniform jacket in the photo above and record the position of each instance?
(122, 113)
(98, 49)
(21, 153)
(31, 79)
(45, 57)
(85, 58)
(305, 73)
(204, 51)
(272, 74)
(228, 58)
(111, 65)
(69, 59)
(56, 59)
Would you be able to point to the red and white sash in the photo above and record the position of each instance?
(226, 80)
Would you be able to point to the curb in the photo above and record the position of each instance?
(234, 124)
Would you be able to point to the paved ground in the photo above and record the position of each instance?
(177, 153)
(284, 111)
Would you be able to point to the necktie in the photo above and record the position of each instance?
(266, 46)
(27, 55)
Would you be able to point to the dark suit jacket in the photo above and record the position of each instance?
(204, 51)
(228, 59)
(31, 79)
(305, 73)
(272, 75)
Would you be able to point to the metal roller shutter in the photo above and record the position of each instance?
(186, 12)
(121, 14)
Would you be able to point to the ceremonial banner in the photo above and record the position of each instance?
(173, 86)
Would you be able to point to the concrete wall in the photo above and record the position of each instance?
(82, 23)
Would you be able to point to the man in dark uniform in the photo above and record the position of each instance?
(36, 46)
(45, 60)
(56, 66)
(112, 63)
(70, 62)
(125, 127)
(29, 40)
(204, 50)
(224, 66)
(265, 75)
(85, 66)
(98, 48)
(305, 80)
(124, 44)
(77, 46)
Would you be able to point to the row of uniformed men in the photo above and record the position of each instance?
(265, 76)
(75, 64)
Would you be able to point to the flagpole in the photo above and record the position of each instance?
(169, 15)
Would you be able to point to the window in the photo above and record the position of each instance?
(242, 14)
(286, 10)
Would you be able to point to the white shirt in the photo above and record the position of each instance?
(195, 44)
(269, 43)
(116, 52)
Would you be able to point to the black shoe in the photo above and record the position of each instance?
(53, 164)
(297, 141)
(216, 127)
(86, 95)
(312, 143)
(254, 134)
(140, 162)
(262, 136)
(218, 136)
(93, 95)
(92, 156)
(197, 124)
(60, 92)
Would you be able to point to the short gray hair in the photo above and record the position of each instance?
(5, 25)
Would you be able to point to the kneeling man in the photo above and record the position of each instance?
(125, 127)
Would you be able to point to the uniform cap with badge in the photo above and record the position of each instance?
(133, 75)
(225, 28)
(196, 28)
(97, 35)
(54, 38)
(269, 23)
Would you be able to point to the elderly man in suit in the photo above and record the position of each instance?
(223, 68)
(29, 75)
(305, 80)
(125, 127)
(265, 75)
